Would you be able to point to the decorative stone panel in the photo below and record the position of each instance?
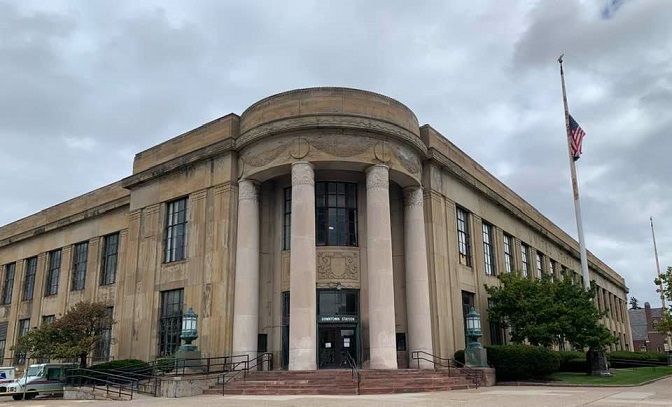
(338, 265)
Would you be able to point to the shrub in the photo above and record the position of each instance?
(459, 356)
(575, 365)
(124, 365)
(570, 361)
(515, 362)
(634, 358)
(166, 365)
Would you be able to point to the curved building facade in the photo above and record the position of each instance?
(321, 224)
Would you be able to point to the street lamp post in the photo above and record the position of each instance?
(474, 355)
(188, 355)
(189, 330)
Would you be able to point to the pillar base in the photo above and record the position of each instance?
(476, 357)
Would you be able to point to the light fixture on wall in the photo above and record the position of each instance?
(339, 286)
(189, 330)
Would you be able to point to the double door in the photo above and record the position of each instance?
(336, 344)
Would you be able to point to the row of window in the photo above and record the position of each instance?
(80, 256)
(489, 252)
(101, 350)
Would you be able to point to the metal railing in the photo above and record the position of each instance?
(354, 369)
(111, 384)
(613, 363)
(473, 375)
(242, 367)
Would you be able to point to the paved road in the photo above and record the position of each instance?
(655, 394)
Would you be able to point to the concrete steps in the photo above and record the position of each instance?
(340, 382)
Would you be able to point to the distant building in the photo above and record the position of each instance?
(318, 225)
(645, 337)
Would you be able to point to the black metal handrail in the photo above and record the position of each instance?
(246, 365)
(354, 369)
(471, 374)
(110, 383)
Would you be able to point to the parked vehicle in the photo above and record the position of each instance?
(40, 379)
(6, 377)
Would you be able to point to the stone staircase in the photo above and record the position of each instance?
(340, 382)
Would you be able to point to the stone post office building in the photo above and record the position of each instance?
(318, 224)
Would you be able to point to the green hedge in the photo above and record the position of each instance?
(634, 357)
(126, 365)
(516, 362)
(519, 362)
(638, 356)
(572, 361)
(459, 356)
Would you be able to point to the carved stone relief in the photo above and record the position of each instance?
(302, 174)
(340, 266)
(377, 176)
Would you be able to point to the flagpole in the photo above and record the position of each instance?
(655, 252)
(575, 186)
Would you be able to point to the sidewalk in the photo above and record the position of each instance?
(654, 394)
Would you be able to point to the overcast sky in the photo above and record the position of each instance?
(86, 85)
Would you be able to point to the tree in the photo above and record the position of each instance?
(664, 281)
(634, 303)
(548, 312)
(73, 335)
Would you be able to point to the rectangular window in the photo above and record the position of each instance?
(108, 274)
(170, 322)
(48, 319)
(540, 264)
(287, 220)
(336, 214)
(509, 261)
(401, 341)
(80, 257)
(497, 334)
(29, 282)
(176, 231)
(3, 339)
(525, 259)
(489, 249)
(8, 286)
(101, 351)
(463, 238)
(468, 302)
(53, 273)
(554, 270)
(24, 327)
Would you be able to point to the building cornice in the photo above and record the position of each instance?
(178, 163)
(86, 214)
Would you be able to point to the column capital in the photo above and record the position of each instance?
(413, 196)
(378, 176)
(248, 190)
(302, 173)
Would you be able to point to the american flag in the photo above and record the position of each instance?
(577, 137)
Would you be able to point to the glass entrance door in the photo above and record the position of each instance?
(336, 342)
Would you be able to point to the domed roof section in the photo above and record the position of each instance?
(329, 101)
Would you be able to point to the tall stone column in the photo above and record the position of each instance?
(417, 278)
(302, 270)
(246, 286)
(382, 335)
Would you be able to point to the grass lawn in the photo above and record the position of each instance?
(635, 375)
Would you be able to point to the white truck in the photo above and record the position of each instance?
(7, 374)
(40, 379)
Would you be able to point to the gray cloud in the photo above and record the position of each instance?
(89, 84)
